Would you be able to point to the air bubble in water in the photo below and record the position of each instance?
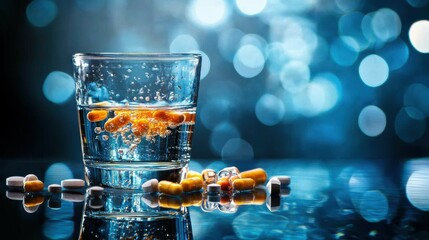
(147, 99)
(98, 130)
(105, 137)
(129, 70)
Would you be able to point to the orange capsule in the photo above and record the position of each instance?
(170, 188)
(232, 178)
(257, 174)
(243, 184)
(115, 123)
(140, 127)
(145, 114)
(166, 201)
(224, 183)
(191, 184)
(33, 186)
(96, 115)
(192, 173)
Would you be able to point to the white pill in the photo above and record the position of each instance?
(29, 177)
(273, 203)
(273, 186)
(12, 195)
(72, 196)
(54, 188)
(284, 180)
(95, 191)
(213, 188)
(150, 186)
(72, 183)
(15, 182)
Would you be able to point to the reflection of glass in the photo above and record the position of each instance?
(127, 214)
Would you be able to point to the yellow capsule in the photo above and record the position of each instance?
(191, 174)
(166, 201)
(33, 186)
(243, 184)
(140, 127)
(33, 200)
(257, 174)
(192, 199)
(170, 188)
(191, 184)
(96, 115)
(115, 123)
(243, 198)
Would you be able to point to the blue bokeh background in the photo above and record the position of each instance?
(327, 79)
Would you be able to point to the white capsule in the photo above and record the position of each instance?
(213, 188)
(284, 180)
(72, 196)
(150, 186)
(72, 183)
(12, 195)
(54, 188)
(273, 186)
(15, 182)
(95, 191)
(29, 177)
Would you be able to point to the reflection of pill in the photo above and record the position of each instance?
(257, 174)
(151, 200)
(260, 196)
(33, 186)
(31, 200)
(54, 203)
(96, 115)
(243, 198)
(171, 188)
(284, 191)
(192, 173)
(30, 177)
(115, 123)
(213, 198)
(273, 203)
(166, 201)
(284, 180)
(191, 184)
(213, 188)
(243, 184)
(15, 182)
(14, 195)
(95, 203)
(32, 209)
(73, 196)
(54, 188)
(95, 191)
(73, 183)
(192, 199)
(150, 185)
(273, 186)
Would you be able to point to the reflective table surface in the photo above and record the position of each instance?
(327, 199)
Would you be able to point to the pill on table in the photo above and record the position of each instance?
(32, 200)
(191, 184)
(166, 201)
(228, 172)
(30, 177)
(257, 174)
(72, 196)
(150, 186)
(243, 184)
(73, 183)
(95, 191)
(54, 188)
(209, 176)
(15, 182)
(273, 203)
(213, 188)
(273, 186)
(96, 115)
(284, 180)
(171, 188)
(33, 186)
(191, 174)
(14, 195)
(224, 183)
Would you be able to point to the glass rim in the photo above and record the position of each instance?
(136, 56)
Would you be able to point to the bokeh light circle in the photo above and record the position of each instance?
(419, 35)
(407, 128)
(237, 149)
(269, 110)
(251, 7)
(208, 13)
(41, 13)
(58, 87)
(372, 121)
(373, 70)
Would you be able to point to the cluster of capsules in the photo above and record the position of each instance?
(217, 190)
(29, 189)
